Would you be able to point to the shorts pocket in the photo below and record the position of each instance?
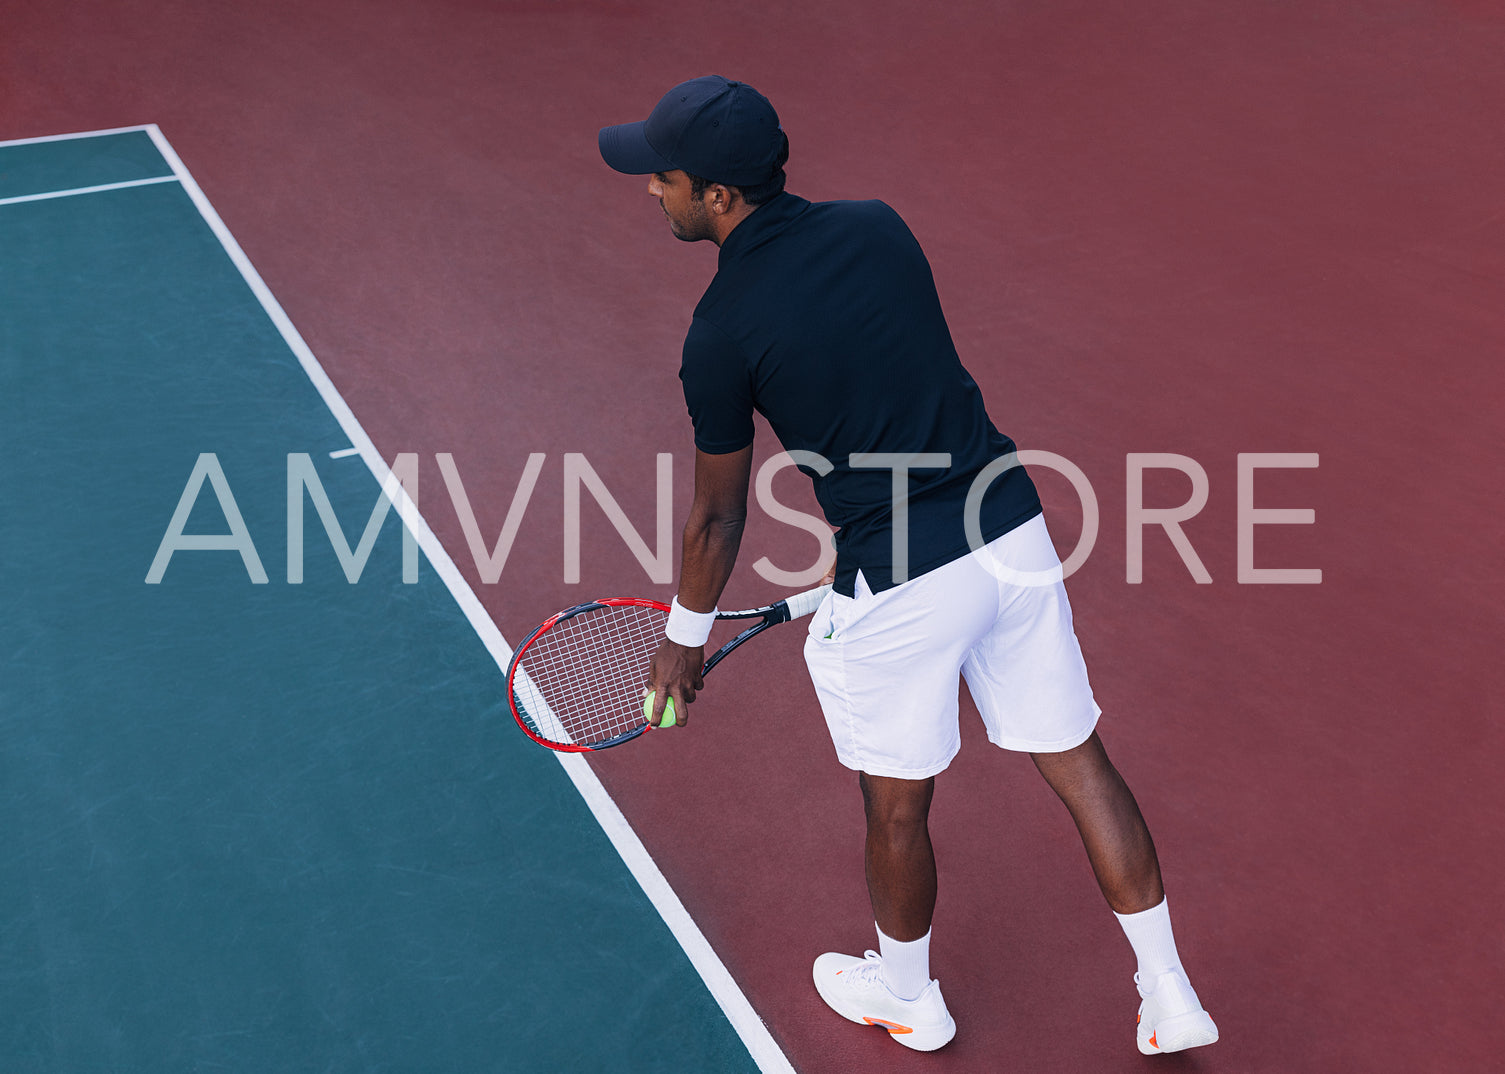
(823, 623)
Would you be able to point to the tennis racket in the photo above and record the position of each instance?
(576, 683)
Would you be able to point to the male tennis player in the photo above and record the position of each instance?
(824, 318)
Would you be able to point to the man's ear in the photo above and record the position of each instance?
(720, 198)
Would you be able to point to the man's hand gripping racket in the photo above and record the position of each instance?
(577, 683)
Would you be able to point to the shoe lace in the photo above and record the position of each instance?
(869, 974)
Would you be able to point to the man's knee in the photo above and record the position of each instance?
(891, 803)
(1081, 767)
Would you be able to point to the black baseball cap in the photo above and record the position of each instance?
(715, 128)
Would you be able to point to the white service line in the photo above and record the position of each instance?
(85, 189)
(755, 1036)
(344, 453)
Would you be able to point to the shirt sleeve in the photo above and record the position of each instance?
(718, 390)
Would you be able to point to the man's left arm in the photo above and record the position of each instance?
(712, 536)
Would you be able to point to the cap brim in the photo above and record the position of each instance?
(625, 147)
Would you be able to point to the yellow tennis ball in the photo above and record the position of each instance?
(668, 720)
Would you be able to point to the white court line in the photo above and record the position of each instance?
(344, 453)
(87, 189)
(739, 1012)
(76, 134)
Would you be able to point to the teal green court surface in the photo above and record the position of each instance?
(256, 825)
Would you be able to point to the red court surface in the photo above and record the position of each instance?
(1202, 229)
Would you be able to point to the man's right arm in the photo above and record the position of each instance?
(712, 537)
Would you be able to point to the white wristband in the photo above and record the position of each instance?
(686, 627)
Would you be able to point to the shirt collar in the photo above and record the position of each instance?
(766, 221)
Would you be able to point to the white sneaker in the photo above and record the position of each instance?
(1171, 1018)
(853, 988)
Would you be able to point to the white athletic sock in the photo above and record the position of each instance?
(906, 964)
(1149, 933)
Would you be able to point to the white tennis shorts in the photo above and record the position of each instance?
(886, 665)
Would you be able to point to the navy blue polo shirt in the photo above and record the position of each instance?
(824, 318)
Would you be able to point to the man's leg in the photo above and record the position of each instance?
(899, 858)
(894, 989)
(884, 666)
(1113, 830)
(1123, 858)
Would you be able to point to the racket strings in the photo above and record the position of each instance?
(583, 678)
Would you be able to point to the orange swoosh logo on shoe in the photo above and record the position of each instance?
(892, 1027)
(1152, 1041)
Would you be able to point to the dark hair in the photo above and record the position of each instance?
(751, 195)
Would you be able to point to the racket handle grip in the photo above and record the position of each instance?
(803, 604)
